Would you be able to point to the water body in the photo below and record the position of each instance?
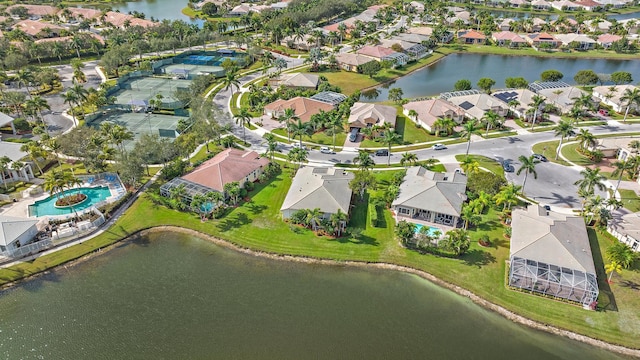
(441, 76)
(174, 296)
(632, 15)
(158, 9)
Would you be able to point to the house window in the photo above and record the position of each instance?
(404, 211)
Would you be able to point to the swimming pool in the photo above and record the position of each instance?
(47, 206)
(431, 232)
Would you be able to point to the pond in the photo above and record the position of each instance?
(158, 9)
(175, 296)
(441, 76)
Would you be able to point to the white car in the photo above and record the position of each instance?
(326, 150)
(296, 145)
(438, 147)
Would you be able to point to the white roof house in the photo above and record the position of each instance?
(15, 230)
(367, 115)
(476, 104)
(319, 187)
(429, 111)
(559, 93)
(611, 95)
(296, 80)
(550, 254)
(586, 43)
(524, 97)
(626, 228)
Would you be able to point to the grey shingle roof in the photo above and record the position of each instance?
(324, 188)
(428, 190)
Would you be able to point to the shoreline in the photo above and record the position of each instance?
(509, 315)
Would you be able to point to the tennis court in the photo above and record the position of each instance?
(189, 71)
(141, 123)
(137, 92)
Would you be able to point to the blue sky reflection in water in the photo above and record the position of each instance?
(174, 296)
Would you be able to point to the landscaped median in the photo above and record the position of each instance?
(257, 225)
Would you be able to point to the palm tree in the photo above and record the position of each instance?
(314, 218)
(337, 220)
(363, 160)
(444, 124)
(630, 97)
(230, 80)
(37, 104)
(413, 114)
(622, 254)
(408, 158)
(611, 268)
(468, 129)
(81, 95)
(591, 179)
(536, 102)
(493, 121)
(25, 77)
(469, 215)
(528, 165)
(288, 116)
(35, 151)
(243, 118)
(390, 137)
(583, 102)
(334, 125)
(620, 168)
(586, 139)
(298, 156)
(4, 167)
(53, 183)
(469, 165)
(299, 129)
(507, 196)
(564, 129)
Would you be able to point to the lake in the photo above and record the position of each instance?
(441, 76)
(158, 9)
(175, 296)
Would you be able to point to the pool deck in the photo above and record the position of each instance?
(442, 227)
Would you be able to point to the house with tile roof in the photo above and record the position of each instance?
(589, 5)
(471, 37)
(228, 166)
(612, 96)
(351, 61)
(79, 14)
(16, 232)
(430, 198)
(324, 188)
(431, 110)
(295, 80)
(543, 39)
(583, 42)
(550, 254)
(565, 5)
(523, 98)
(39, 29)
(364, 115)
(381, 53)
(561, 94)
(35, 12)
(606, 40)
(475, 103)
(508, 39)
(303, 107)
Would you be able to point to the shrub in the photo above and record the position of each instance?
(373, 215)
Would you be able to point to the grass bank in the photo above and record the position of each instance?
(499, 50)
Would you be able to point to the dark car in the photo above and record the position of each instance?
(540, 157)
(382, 152)
(507, 167)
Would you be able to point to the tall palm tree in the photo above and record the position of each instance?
(468, 129)
(4, 167)
(337, 220)
(469, 165)
(363, 160)
(528, 165)
(469, 215)
(536, 102)
(25, 77)
(35, 151)
(243, 118)
(444, 124)
(492, 119)
(508, 196)
(611, 268)
(591, 179)
(629, 98)
(334, 125)
(390, 137)
(287, 117)
(620, 167)
(314, 218)
(81, 95)
(586, 139)
(408, 159)
(564, 129)
(299, 129)
(230, 80)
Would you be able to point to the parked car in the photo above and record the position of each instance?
(326, 150)
(297, 145)
(603, 112)
(382, 152)
(507, 167)
(353, 134)
(540, 157)
(438, 147)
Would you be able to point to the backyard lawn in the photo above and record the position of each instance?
(630, 200)
(257, 224)
(411, 134)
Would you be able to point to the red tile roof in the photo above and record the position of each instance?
(377, 52)
(228, 166)
(472, 34)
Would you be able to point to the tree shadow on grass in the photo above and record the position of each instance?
(500, 242)
(234, 221)
(254, 208)
(630, 284)
(357, 239)
(478, 258)
(606, 299)
(487, 225)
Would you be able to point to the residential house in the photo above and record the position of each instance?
(509, 39)
(351, 61)
(415, 51)
(620, 148)
(505, 24)
(540, 5)
(381, 53)
(463, 16)
(606, 40)
(550, 254)
(430, 111)
(428, 197)
(565, 5)
(35, 12)
(589, 5)
(7, 120)
(16, 232)
(428, 32)
(632, 25)
(615, 4)
(412, 38)
(295, 80)
(475, 104)
(242, 9)
(598, 25)
(330, 97)
(542, 40)
(612, 96)
(306, 42)
(321, 188)
(561, 94)
(518, 3)
(626, 228)
(471, 37)
(417, 6)
(304, 108)
(364, 115)
(76, 14)
(39, 29)
(581, 41)
(122, 21)
(537, 24)
(523, 98)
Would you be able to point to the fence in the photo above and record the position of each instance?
(29, 249)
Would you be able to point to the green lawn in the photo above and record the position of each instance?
(549, 149)
(481, 270)
(630, 200)
(499, 50)
(485, 162)
(570, 152)
(411, 134)
(317, 138)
